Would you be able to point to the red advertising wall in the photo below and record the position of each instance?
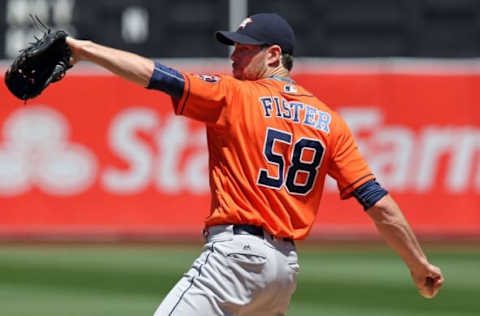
(95, 155)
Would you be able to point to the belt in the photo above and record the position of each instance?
(253, 230)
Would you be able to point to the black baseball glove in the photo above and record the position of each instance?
(44, 61)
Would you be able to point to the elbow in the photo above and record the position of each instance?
(385, 212)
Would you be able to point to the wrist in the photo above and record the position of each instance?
(85, 48)
(80, 48)
(419, 266)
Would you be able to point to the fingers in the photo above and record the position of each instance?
(72, 61)
(436, 283)
(71, 42)
(428, 285)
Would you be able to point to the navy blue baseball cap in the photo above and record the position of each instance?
(261, 29)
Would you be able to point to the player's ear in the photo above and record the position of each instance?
(273, 56)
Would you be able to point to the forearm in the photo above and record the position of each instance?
(127, 65)
(396, 231)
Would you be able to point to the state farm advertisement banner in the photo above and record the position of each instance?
(97, 156)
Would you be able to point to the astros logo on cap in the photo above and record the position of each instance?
(244, 23)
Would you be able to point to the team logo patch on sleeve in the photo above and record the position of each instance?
(209, 78)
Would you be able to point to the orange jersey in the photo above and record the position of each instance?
(271, 144)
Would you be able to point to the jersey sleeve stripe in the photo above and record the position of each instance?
(347, 188)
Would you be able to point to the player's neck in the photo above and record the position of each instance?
(277, 72)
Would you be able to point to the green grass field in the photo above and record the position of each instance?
(51, 280)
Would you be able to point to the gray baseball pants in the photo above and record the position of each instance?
(236, 275)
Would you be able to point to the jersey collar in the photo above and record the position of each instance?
(284, 79)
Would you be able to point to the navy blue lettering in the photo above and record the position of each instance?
(267, 105)
(296, 108)
(277, 106)
(287, 114)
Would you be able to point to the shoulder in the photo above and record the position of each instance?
(216, 81)
(210, 77)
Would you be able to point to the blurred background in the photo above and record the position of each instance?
(103, 190)
(324, 28)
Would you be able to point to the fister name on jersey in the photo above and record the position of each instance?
(296, 112)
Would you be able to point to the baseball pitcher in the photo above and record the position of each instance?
(271, 144)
